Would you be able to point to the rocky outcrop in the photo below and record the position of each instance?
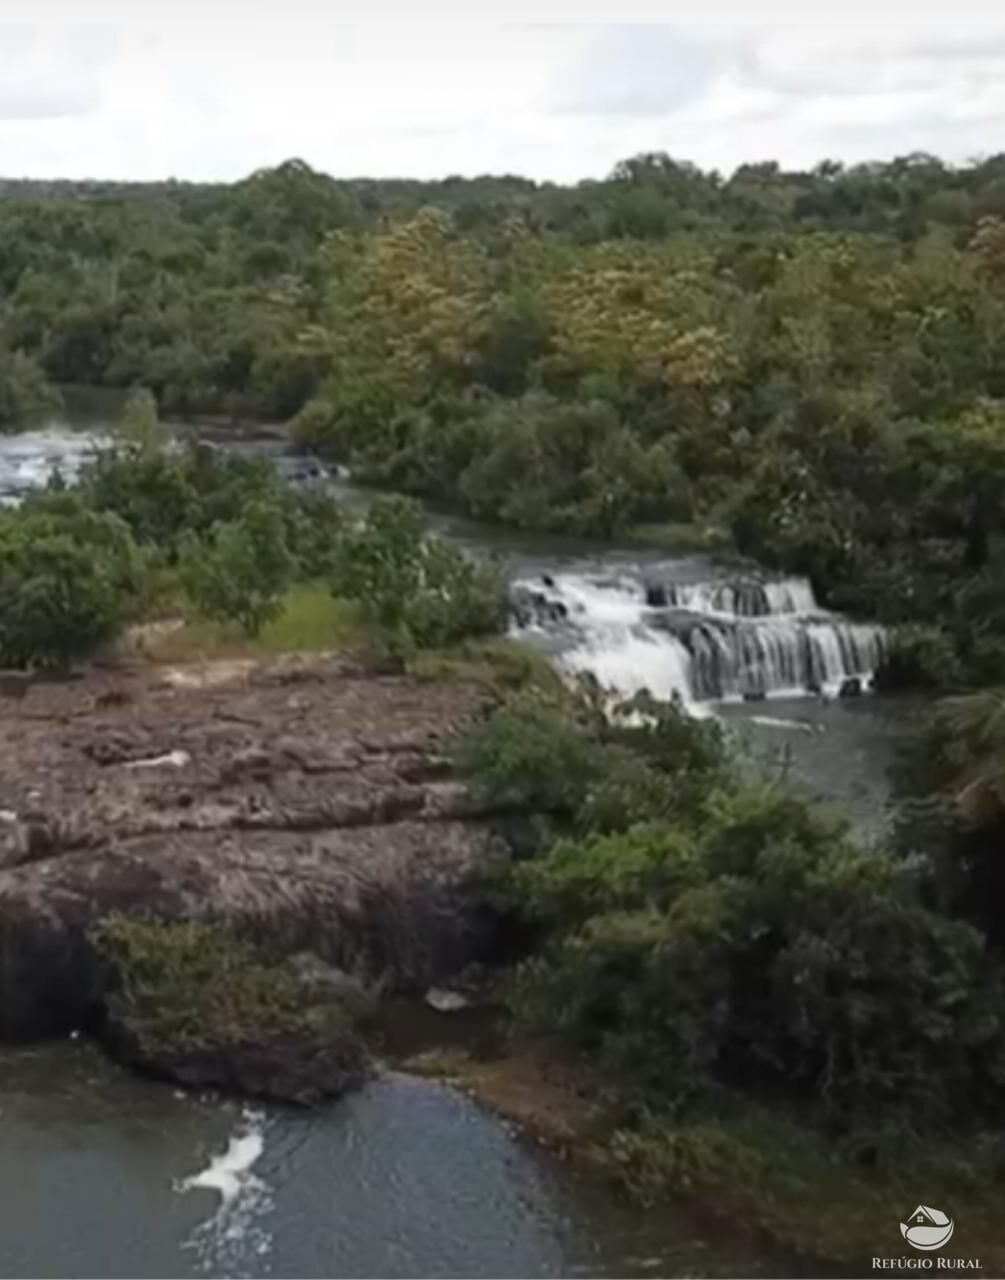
(310, 1048)
(307, 804)
(273, 1068)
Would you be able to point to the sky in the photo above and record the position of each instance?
(214, 90)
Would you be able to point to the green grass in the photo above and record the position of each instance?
(498, 665)
(314, 621)
(311, 621)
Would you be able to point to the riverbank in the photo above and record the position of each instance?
(758, 1178)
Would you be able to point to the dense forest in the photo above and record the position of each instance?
(809, 367)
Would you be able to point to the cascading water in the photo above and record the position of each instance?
(605, 617)
(716, 640)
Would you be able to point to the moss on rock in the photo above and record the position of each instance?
(193, 1002)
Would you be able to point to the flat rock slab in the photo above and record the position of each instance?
(309, 803)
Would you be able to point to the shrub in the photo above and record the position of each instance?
(563, 752)
(139, 426)
(24, 391)
(416, 591)
(532, 753)
(950, 782)
(763, 954)
(188, 985)
(165, 491)
(919, 657)
(313, 527)
(68, 578)
(700, 936)
(540, 462)
(240, 571)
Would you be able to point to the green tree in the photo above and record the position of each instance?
(139, 426)
(416, 590)
(68, 580)
(24, 391)
(241, 570)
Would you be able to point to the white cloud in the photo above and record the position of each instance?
(47, 75)
(214, 91)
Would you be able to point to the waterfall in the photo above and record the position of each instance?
(715, 640)
(607, 634)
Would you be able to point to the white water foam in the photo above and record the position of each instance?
(615, 645)
(234, 1239)
(788, 597)
(760, 640)
(778, 722)
(28, 458)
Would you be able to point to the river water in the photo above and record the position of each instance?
(103, 1173)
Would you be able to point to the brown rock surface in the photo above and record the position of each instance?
(305, 802)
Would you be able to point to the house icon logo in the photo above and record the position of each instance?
(927, 1228)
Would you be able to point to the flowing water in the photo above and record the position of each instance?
(727, 637)
(104, 1173)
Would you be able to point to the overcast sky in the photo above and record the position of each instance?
(171, 87)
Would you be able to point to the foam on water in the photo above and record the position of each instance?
(745, 598)
(614, 644)
(779, 722)
(29, 458)
(234, 1238)
(699, 642)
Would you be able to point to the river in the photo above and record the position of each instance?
(103, 1173)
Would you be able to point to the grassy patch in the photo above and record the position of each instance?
(311, 620)
(498, 665)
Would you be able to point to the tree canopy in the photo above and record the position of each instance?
(808, 365)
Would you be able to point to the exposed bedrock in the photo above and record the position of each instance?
(308, 805)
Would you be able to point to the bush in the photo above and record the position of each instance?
(919, 657)
(763, 954)
(543, 463)
(190, 984)
(24, 391)
(68, 578)
(416, 591)
(950, 782)
(701, 937)
(563, 752)
(183, 986)
(168, 494)
(313, 527)
(139, 426)
(241, 570)
(532, 754)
